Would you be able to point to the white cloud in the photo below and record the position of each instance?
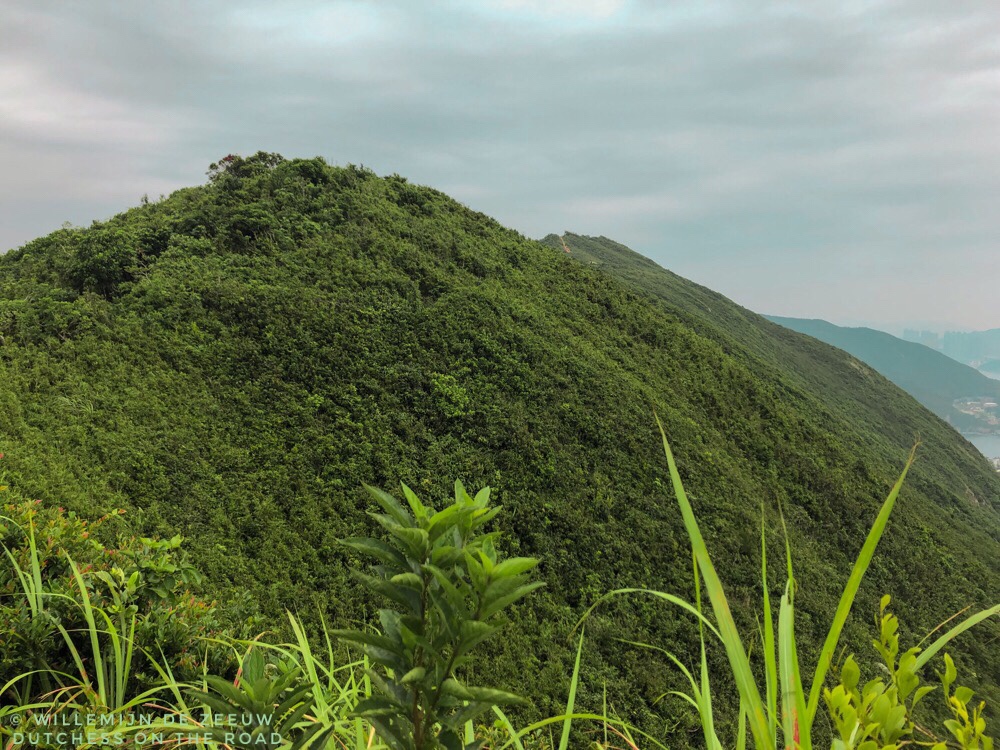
(290, 26)
(36, 107)
(586, 10)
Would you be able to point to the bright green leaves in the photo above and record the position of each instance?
(449, 587)
(967, 725)
(267, 701)
(879, 714)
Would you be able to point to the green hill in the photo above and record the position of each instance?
(931, 377)
(828, 374)
(233, 361)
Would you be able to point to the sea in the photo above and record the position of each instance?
(989, 445)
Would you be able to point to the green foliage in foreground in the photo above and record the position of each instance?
(884, 710)
(61, 581)
(233, 362)
(449, 587)
(442, 573)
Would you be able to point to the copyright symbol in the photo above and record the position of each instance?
(15, 720)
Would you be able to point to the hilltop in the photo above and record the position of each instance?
(232, 362)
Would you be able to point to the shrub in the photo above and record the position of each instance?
(57, 578)
(449, 588)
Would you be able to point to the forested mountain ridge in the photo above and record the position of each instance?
(934, 379)
(232, 362)
(845, 386)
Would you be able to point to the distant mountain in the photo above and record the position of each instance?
(931, 377)
(975, 348)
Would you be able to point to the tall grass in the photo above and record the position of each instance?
(784, 711)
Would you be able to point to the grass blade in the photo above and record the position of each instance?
(564, 740)
(851, 590)
(738, 661)
(659, 595)
(770, 656)
(967, 623)
(795, 730)
(509, 727)
(741, 729)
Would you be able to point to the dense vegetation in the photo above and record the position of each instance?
(931, 377)
(232, 362)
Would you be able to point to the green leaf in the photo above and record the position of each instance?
(442, 521)
(411, 580)
(851, 589)
(950, 673)
(401, 594)
(850, 674)
(498, 604)
(963, 695)
(418, 508)
(571, 700)
(514, 566)
(793, 704)
(379, 550)
(943, 641)
(493, 697)
(451, 686)
(414, 675)
(391, 506)
(377, 705)
(417, 541)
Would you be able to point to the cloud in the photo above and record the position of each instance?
(590, 10)
(36, 108)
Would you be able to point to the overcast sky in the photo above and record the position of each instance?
(806, 158)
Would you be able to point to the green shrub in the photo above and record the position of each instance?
(62, 587)
(449, 588)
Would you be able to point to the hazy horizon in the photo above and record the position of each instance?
(804, 160)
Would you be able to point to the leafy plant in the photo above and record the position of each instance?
(967, 725)
(784, 689)
(263, 707)
(878, 714)
(449, 587)
(63, 593)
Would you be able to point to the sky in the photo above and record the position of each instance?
(804, 157)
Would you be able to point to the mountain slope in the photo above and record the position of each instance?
(232, 362)
(931, 377)
(844, 387)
